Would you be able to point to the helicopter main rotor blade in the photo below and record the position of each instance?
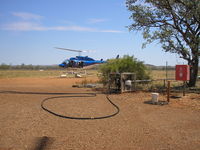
(73, 50)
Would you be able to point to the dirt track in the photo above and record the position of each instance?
(138, 126)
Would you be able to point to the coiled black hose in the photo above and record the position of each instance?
(68, 96)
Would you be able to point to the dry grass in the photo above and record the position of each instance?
(155, 74)
(39, 73)
(28, 73)
(161, 74)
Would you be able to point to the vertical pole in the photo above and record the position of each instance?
(168, 91)
(134, 81)
(164, 83)
(166, 70)
(121, 82)
(183, 88)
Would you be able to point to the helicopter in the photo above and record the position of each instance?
(78, 61)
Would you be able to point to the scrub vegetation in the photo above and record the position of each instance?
(125, 64)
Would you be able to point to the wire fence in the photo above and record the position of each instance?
(158, 82)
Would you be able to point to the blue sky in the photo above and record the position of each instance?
(30, 29)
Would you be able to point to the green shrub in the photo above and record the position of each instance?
(4, 66)
(125, 64)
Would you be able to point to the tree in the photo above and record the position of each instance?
(174, 23)
(4, 66)
(125, 64)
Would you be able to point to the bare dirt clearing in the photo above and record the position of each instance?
(138, 126)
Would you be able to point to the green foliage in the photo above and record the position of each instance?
(175, 24)
(125, 64)
(4, 66)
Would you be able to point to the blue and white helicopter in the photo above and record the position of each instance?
(78, 61)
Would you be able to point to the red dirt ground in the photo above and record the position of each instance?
(138, 126)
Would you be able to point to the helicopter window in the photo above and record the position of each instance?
(66, 61)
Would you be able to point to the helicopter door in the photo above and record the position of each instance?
(80, 64)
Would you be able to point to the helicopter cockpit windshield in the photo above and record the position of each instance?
(66, 61)
(69, 62)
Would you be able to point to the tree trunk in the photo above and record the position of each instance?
(193, 72)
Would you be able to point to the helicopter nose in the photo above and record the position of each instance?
(62, 65)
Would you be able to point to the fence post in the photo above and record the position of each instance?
(184, 88)
(168, 91)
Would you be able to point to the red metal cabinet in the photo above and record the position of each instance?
(183, 72)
